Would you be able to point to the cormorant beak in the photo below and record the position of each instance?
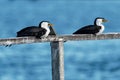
(50, 24)
(104, 20)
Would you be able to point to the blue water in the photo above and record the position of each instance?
(84, 60)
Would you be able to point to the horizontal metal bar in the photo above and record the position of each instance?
(27, 40)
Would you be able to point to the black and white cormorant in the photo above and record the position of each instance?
(40, 31)
(95, 29)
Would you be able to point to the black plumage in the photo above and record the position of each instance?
(52, 31)
(31, 31)
(92, 29)
(37, 31)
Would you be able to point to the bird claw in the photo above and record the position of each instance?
(8, 45)
(95, 35)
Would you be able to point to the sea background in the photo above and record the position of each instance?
(84, 60)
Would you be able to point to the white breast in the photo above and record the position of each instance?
(47, 32)
(101, 30)
(46, 27)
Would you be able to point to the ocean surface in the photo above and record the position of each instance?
(84, 60)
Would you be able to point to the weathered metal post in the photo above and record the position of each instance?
(57, 55)
(57, 47)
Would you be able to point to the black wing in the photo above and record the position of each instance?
(52, 31)
(90, 29)
(31, 31)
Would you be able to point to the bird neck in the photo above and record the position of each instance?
(101, 25)
(98, 23)
(47, 30)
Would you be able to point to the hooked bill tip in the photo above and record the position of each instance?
(50, 24)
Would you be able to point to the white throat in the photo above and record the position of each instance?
(98, 23)
(46, 27)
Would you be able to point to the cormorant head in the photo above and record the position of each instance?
(45, 24)
(99, 21)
